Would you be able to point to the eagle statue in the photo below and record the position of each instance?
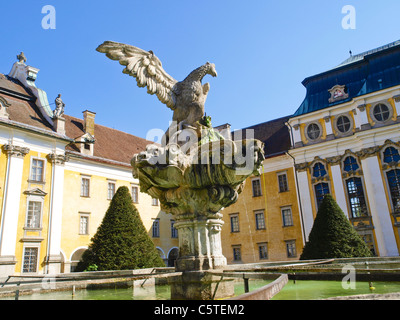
(186, 98)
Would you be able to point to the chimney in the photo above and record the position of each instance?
(88, 121)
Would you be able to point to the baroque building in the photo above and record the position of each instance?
(345, 141)
(58, 173)
(265, 224)
(57, 177)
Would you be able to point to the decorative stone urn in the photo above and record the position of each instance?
(194, 182)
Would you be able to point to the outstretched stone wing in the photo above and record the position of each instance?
(145, 67)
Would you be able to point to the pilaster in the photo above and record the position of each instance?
(10, 210)
(377, 200)
(305, 198)
(53, 258)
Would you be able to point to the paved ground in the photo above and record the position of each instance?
(386, 296)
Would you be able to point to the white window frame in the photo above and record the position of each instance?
(111, 191)
(30, 245)
(256, 213)
(136, 187)
(372, 115)
(87, 216)
(280, 174)
(88, 187)
(39, 226)
(320, 131)
(283, 217)
(154, 202)
(44, 161)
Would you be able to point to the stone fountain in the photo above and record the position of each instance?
(195, 172)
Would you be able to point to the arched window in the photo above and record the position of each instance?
(350, 164)
(321, 188)
(319, 170)
(391, 154)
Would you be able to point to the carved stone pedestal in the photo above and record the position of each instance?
(199, 243)
(198, 285)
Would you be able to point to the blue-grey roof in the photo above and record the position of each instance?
(363, 73)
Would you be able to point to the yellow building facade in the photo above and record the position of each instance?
(264, 224)
(57, 178)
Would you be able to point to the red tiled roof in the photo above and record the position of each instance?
(110, 144)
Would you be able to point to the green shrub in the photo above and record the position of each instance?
(333, 236)
(121, 241)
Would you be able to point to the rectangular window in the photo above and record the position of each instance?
(263, 251)
(37, 170)
(355, 194)
(33, 215)
(83, 224)
(110, 190)
(321, 189)
(237, 255)
(260, 221)
(156, 228)
(282, 182)
(256, 185)
(30, 260)
(135, 194)
(291, 248)
(287, 217)
(234, 222)
(154, 201)
(174, 231)
(85, 187)
(393, 178)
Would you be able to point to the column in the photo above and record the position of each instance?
(53, 257)
(378, 204)
(10, 210)
(305, 199)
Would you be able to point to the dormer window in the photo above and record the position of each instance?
(313, 131)
(343, 124)
(381, 112)
(4, 108)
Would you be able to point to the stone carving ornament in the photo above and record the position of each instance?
(196, 172)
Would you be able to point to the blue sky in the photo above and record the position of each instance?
(262, 50)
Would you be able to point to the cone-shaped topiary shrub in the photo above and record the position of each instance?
(121, 241)
(332, 235)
